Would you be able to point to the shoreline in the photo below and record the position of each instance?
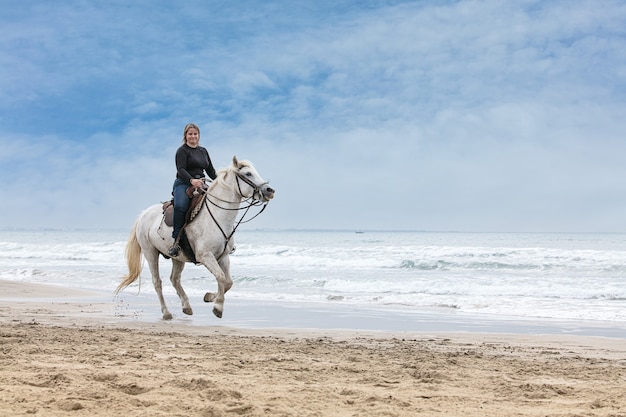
(54, 303)
(79, 352)
(31, 303)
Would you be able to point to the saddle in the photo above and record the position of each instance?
(197, 196)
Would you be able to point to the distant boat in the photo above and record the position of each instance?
(359, 231)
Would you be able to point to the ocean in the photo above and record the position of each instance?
(518, 276)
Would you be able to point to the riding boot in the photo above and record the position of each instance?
(173, 251)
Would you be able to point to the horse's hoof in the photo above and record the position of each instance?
(188, 311)
(217, 313)
(209, 297)
(167, 316)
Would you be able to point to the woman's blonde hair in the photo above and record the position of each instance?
(187, 127)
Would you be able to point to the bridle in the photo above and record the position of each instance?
(252, 201)
(257, 188)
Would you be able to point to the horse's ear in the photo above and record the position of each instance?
(235, 162)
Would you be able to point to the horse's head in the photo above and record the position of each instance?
(250, 183)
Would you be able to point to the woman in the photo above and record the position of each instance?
(192, 160)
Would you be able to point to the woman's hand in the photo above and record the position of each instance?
(196, 182)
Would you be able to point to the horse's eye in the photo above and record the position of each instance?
(248, 174)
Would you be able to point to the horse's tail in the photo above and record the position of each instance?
(133, 259)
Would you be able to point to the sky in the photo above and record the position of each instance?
(478, 116)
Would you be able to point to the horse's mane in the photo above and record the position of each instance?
(222, 173)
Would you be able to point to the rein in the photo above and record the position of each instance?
(251, 200)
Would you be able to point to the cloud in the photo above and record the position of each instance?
(467, 115)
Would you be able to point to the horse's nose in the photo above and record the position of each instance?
(268, 192)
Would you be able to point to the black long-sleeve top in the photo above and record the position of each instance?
(192, 162)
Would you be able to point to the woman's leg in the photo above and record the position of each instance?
(181, 205)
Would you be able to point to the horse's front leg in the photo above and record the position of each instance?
(225, 265)
(177, 269)
(224, 283)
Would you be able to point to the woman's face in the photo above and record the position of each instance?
(192, 137)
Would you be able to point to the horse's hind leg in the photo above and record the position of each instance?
(177, 269)
(153, 262)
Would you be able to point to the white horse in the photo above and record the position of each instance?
(209, 233)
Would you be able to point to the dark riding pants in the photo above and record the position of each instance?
(181, 205)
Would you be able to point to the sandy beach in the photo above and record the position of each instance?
(72, 352)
